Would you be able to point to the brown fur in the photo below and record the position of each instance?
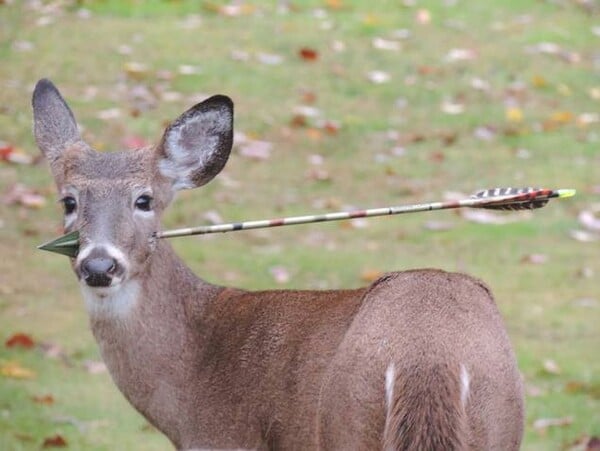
(222, 368)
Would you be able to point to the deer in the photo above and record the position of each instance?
(417, 360)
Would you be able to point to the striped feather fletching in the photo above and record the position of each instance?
(527, 198)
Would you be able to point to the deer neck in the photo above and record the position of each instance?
(151, 334)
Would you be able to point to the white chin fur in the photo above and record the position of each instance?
(115, 301)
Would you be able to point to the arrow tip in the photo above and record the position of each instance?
(65, 245)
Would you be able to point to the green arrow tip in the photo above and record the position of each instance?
(65, 245)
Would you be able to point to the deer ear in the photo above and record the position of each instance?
(196, 146)
(54, 125)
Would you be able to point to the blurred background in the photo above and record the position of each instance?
(339, 104)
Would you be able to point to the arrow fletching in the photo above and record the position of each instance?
(495, 199)
(521, 198)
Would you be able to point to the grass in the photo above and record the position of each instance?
(38, 295)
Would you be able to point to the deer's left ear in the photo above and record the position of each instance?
(196, 146)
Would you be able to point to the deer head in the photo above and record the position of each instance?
(115, 199)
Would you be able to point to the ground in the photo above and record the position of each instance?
(339, 104)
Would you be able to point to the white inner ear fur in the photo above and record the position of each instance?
(202, 132)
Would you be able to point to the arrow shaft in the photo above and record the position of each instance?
(477, 202)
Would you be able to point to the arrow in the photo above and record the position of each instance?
(495, 199)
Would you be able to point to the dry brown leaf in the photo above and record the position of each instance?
(56, 441)
(308, 54)
(47, 400)
(20, 340)
(585, 443)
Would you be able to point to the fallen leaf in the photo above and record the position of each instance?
(308, 54)
(452, 107)
(590, 218)
(514, 114)
(236, 9)
(56, 441)
(334, 4)
(583, 236)
(94, 367)
(20, 194)
(269, 59)
(14, 370)
(13, 154)
(318, 174)
(108, 114)
(22, 46)
(533, 391)
(458, 55)
(538, 81)
(371, 275)
(585, 119)
(47, 400)
(256, 150)
(133, 142)
(386, 44)
(586, 302)
(423, 16)
(585, 443)
(491, 217)
(551, 367)
(280, 274)
(20, 340)
(541, 424)
(135, 71)
(438, 226)
(329, 126)
(480, 84)
(188, 69)
(535, 259)
(314, 133)
(485, 133)
(378, 77)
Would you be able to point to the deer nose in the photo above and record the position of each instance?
(98, 271)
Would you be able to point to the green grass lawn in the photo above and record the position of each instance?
(480, 94)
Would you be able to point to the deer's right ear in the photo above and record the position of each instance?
(54, 125)
(196, 146)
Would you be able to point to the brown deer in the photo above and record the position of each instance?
(418, 360)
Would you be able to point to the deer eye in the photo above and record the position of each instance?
(69, 204)
(143, 203)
